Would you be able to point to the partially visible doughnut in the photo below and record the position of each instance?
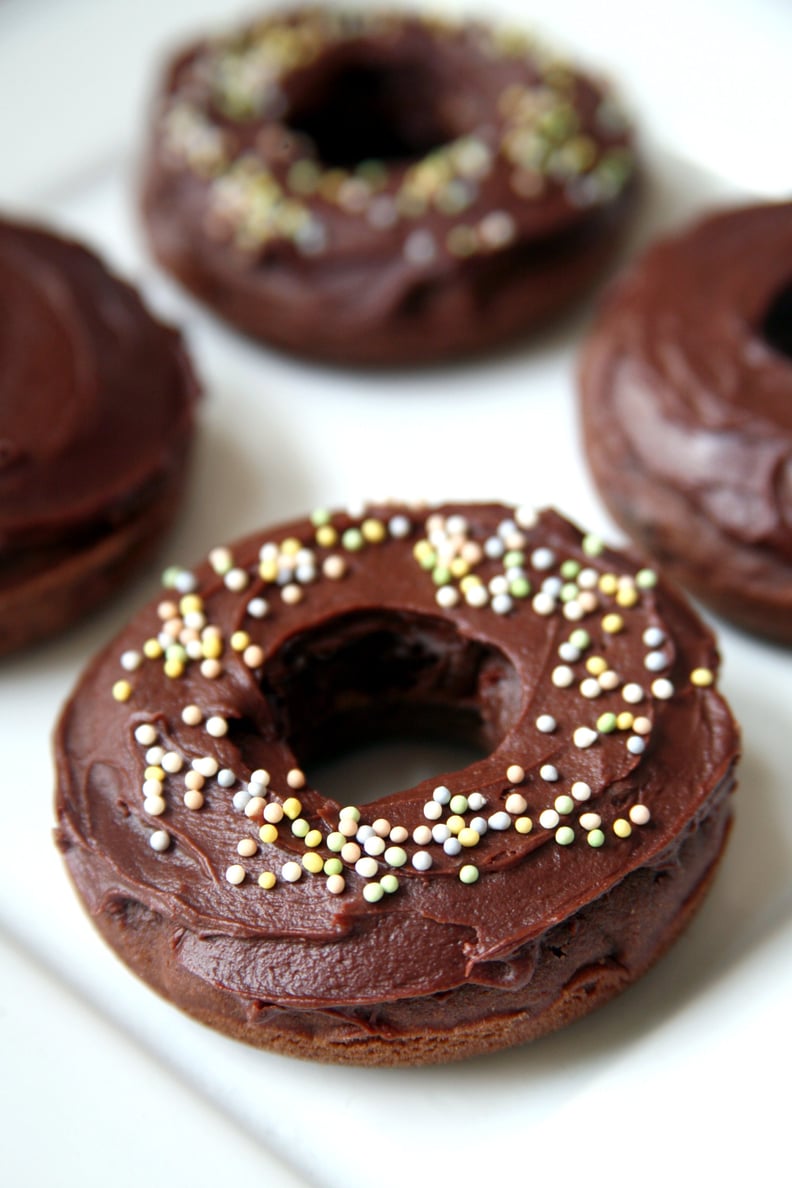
(383, 188)
(97, 403)
(686, 383)
(473, 911)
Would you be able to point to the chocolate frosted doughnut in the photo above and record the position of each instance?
(473, 911)
(96, 414)
(686, 387)
(383, 188)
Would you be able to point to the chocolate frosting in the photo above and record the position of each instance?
(481, 193)
(687, 405)
(96, 416)
(398, 642)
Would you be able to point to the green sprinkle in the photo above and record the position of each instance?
(580, 638)
(595, 838)
(606, 723)
(175, 651)
(441, 576)
(373, 892)
(564, 804)
(428, 560)
(468, 874)
(335, 842)
(333, 866)
(570, 569)
(513, 558)
(395, 856)
(646, 579)
(565, 835)
(592, 545)
(352, 540)
(319, 517)
(458, 804)
(520, 588)
(569, 591)
(300, 827)
(389, 883)
(171, 576)
(350, 810)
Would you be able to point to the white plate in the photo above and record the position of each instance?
(687, 1054)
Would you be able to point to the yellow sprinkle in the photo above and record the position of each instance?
(608, 583)
(267, 880)
(702, 677)
(459, 567)
(152, 648)
(313, 862)
(240, 640)
(290, 546)
(292, 807)
(268, 570)
(191, 603)
(155, 772)
(596, 665)
(469, 581)
(373, 531)
(173, 668)
(523, 825)
(122, 690)
(422, 549)
(326, 536)
(456, 824)
(469, 837)
(626, 596)
(622, 827)
(313, 838)
(612, 624)
(268, 834)
(212, 647)
(624, 720)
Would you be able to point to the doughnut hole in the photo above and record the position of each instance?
(373, 703)
(776, 326)
(357, 110)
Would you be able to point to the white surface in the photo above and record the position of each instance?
(141, 1094)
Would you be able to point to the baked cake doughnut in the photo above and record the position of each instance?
(686, 384)
(383, 188)
(96, 415)
(476, 910)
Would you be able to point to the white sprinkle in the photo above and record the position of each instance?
(172, 762)
(476, 801)
(562, 676)
(516, 803)
(499, 585)
(146, 734)
(152, 788)
(154, 755)
(399, 834)
(499, 821)
(422, 835)
(639, 814)
(191, 715)
(366, 867)
(542, 558)
(587, 579)
(636, 745)
(216, 726)
(552, 586)
(440, 832)
(291, 872)
(608, 680)
(452, 846)
(291, 594)
(420, 247)
(502, 604)
(590, 820)
(656, 661)
(206, 765)
(160, 840)
(526, 516)
(494, 548)
(543, 604)
(632, 693)
(154, 805)
(480, 825)
(374, 846)
(441, 794)
(590, 687)
(546, 723)
(476, 595)
(240, 799)
(548, 772)
(260, 776)
(662, 689)
(432, 810)
(295, 778)
(580, 790)
(653, 637)
(236, 580)
(497, 228)
(131, 660)
(515, 774)
(399, 527)
(567, 651)
(584, 737)
(642, 726)
(422, 860)
(548, 819)
(447, 596)
(573, 610)
(247, 847)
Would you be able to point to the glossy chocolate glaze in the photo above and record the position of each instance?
(686, 385)
(299, 968)
(96, 414)
(365, 274)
